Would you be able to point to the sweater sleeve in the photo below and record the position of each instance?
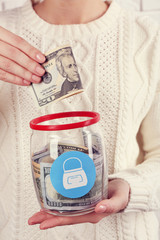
(144, 178)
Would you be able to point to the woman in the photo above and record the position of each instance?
(118, 55)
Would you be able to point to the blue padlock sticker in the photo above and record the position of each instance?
(73, 174)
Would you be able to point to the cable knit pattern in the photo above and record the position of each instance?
(118, 61)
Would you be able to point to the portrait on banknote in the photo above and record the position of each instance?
(61, 78)
(67, 67)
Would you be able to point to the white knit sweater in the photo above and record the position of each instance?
(118, 60)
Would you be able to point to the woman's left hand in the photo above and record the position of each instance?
(118, 197)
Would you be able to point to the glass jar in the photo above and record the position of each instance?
(69, 165)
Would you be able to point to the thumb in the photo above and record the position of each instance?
(112, 205)
(118, 193)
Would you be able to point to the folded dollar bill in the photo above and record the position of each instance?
(61, 78)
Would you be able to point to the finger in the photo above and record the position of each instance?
(47, 220)
(7, 77)
(62, 221)
(54, 221)
(15, 69)
(19, 57)
(109, 206)
(118, 193)
(112, 205)
(39, 217)
(21, 44)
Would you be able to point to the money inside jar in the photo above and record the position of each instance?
(52, 200)
(68, 160)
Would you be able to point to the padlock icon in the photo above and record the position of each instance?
(73, 178)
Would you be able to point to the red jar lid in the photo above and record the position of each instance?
(94, 118)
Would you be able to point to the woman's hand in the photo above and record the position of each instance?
(118, 197)
(19, 61)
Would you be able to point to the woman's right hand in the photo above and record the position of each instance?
(19, 61)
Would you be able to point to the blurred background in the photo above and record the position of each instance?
(148, 7)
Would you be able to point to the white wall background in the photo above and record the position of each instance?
(9, 4)
(149, 7)
(152, 7)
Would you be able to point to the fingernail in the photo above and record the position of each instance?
(36, 78)
(43, 227)
(30, 222)
(26, 82)
(40, 70)
(40, 57)
(101, 209)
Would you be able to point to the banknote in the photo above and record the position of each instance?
(44, 149)
(63, 147)
(55, 201)
(36, 157)
(45, 155)
(61, 78)
(52, 200)
(96, 149)
(36, 173)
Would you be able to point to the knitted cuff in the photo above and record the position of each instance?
(139, 193)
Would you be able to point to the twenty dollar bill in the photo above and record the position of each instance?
(61, 78)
